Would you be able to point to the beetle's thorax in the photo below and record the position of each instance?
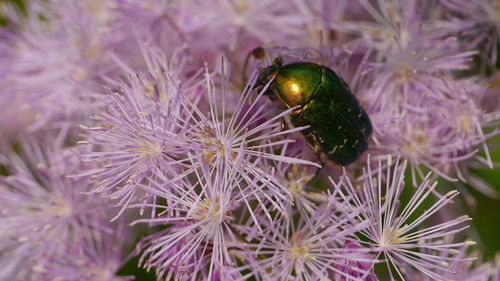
(296, 83)
(290, 92)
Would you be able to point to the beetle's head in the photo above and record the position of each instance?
(268, 73)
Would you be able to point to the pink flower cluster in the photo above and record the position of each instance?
(135, 128)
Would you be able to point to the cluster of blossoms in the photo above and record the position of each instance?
(139, 128)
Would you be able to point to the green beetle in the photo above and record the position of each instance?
(338, 126)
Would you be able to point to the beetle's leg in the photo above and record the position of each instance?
(313, 143)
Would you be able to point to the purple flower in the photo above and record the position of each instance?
(51, 60)
(252, 124)
(151, 125)
(138, 135)
(245, 25)
(307, 247)
(419, 110)
(398, 232)
(357, 268)
(163, 94)
(199, 218)
(464, 267)
(478, 23)
(439, 133)
(42, 209)
(388, 27)
(95, 259)
(406, 52)
(297, 178)
(152, 27)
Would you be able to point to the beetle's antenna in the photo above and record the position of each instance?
(257, 53)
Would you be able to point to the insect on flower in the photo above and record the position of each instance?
(338, 125)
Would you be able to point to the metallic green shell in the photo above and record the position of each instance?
(296, 83)
(338, 126)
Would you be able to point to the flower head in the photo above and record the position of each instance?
(42, 209)
(315, 246)
(397, 231)
(246, 25)
(466, 266)
(97, 258)
(479, 26)
(199, 217)
(440, 133)
(137, 136)
(42, 87)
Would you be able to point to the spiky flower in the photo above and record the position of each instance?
(199, 221)
(297, 179)
(419, 109)
(408, 53)
(307, 247)
(398, 230)
(144, 128)
(97, 258)
(151, 125)
(478, 23)
(252, 124)
(465, 267)
(440, 133)
(42, 86)
(42, 209)
(246, 134)
(246, 25)
(230, 192)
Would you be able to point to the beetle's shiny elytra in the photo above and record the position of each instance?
(338, 126)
